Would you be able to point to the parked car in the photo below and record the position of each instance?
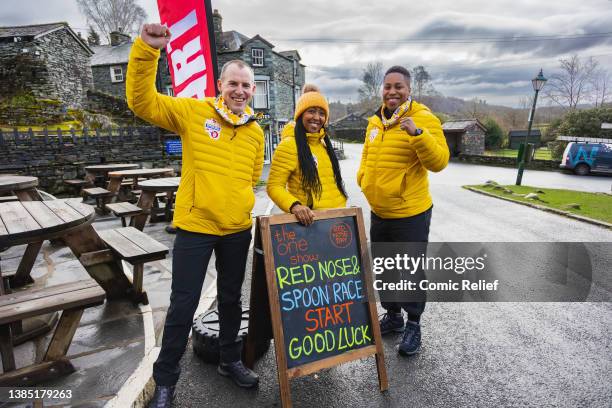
(584, 158)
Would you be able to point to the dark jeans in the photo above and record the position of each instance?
(409, 229)
(192, 252)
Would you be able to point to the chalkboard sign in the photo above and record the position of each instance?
(174, 147)
(313, 286)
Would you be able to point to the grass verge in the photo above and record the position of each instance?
(597, 206)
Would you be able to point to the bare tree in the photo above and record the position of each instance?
(369, 92)
(475, 108)
(601, 84)
(113, 15)
(92, 37)
(421, 80)
(573, 84)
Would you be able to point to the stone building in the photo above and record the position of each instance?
(351, 127)
(48, 61)
(109, 67)
(465, 137)
(279, 77)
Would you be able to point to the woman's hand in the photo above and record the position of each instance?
(304, 214)
(408, 125)
(155, 35)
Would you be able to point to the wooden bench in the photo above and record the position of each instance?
(124, 210)
(71, 298)
(137, 248)
(99, 194)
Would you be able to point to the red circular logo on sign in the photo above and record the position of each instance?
(340, 235)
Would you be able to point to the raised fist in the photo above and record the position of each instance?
(155, 35)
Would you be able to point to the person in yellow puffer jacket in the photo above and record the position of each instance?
(403, 141)
(222, 159)
(305, 173)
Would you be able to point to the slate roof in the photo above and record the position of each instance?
(111, 55)
(39, 30)
(460, 125)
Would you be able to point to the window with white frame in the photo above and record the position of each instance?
(257, 55)
(260, 99)
(116, 74)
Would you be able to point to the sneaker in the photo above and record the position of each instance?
(411, 340)
(163, 397)
(391, 322)
(241, 375)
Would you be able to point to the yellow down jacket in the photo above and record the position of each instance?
(393, 169)
(221, 162)
(284, 187)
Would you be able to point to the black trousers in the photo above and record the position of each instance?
(409, 229)
(192, 252)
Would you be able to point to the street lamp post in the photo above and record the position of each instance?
(538, 83)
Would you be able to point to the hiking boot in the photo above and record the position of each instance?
(163, 397)
(411, 340)
(391, 322)
(242, 376)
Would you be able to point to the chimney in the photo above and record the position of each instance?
(118, 38)
(218, 28)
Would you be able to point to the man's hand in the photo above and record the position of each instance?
(408, 125)
(304, 214)
(155, 35)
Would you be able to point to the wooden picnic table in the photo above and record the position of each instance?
(33, 222)
(24, 187)
(150, 188)
(116, 178)
(91, 172)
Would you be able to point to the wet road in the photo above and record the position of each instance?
(474, 354)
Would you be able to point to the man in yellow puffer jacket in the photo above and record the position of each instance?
(403, 141)
(223, 150)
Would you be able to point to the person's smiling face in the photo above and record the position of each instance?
(396, 90)
(313, 119)
(237, 88)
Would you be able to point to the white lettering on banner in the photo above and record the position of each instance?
(184, 70)
(181, 27)
(196, 88)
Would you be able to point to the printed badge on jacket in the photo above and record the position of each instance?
(213, 128)
(373, 134)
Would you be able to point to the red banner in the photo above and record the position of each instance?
(191, 51)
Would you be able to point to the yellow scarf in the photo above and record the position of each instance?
(230, 116)
(399, 112)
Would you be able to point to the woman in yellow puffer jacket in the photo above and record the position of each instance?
(305, 173)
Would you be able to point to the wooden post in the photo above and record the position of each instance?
(73, 133)
(85, 135)
(22, 276)
(59, 137)
(46, 135)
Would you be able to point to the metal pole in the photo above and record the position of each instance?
(521, 167)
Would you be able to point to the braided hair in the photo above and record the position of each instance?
(310, 181)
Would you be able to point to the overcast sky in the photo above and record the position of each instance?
(457, 41)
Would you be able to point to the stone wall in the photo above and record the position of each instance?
(55, 158)
(103, 83)
(473, 142)
(507, 162)
(54, 66)
(31, 112)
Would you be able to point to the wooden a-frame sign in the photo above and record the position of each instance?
(343, 300)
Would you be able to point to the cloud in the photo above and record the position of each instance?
(357, 32)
